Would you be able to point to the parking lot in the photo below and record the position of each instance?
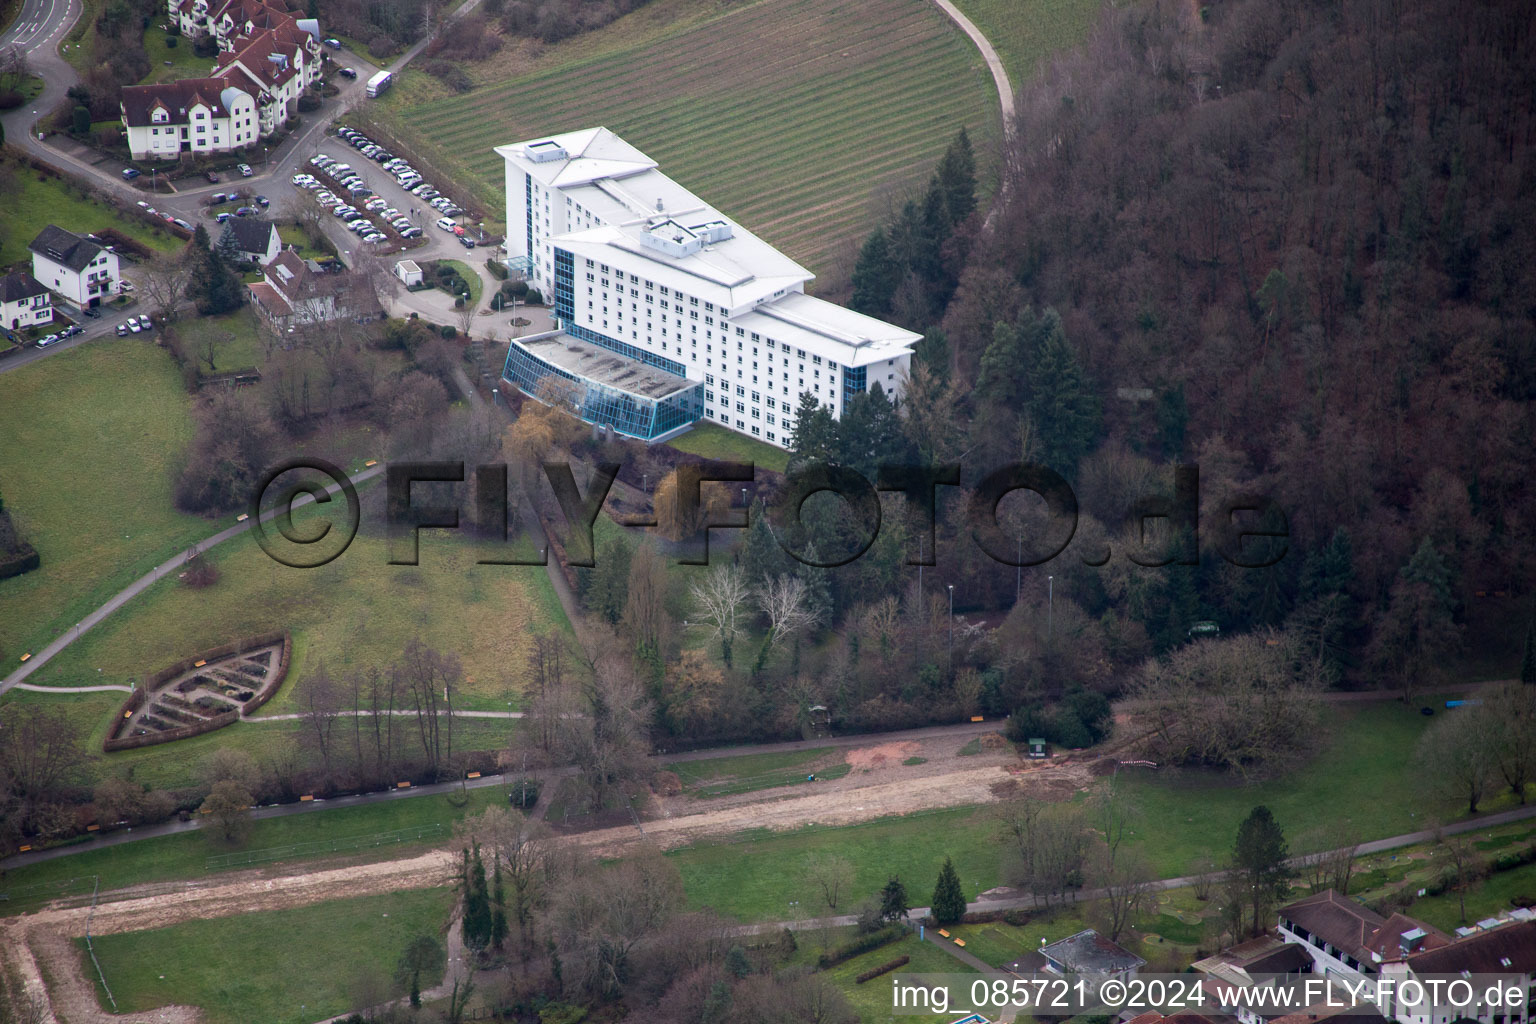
(366, 185)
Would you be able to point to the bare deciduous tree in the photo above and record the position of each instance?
(1128, 884)
(163, 281)
(783, 600)
(831, 876)
(719, 604)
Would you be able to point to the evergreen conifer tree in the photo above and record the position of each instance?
(948, 899)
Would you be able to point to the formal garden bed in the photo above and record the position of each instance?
(201, 693)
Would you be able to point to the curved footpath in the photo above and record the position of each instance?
(144, 582)
(994, 63)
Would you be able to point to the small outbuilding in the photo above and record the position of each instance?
(408, 272)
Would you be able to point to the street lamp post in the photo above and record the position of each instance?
(1050, 606)
(743, 497)
(1018, 573)
(951, 629)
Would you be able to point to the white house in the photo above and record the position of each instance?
(408, 272)
(254, 241)
(194, 115)
(24, 302)
(267, 59)
(1504, 946)
(82, 270)
(639, 267)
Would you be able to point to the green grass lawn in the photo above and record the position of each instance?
(1185, 816)
(1026, 35)
(1485, 899)
(185, 855)
(801, 118)
(715, 442)
(39, 200)
(183, 63)
(294, 235)
(872, 1000)
(94, 437)
(470, 277)
(280, 967)
(1181, 818)
(755, 879)
(356, 612)
(751, 772)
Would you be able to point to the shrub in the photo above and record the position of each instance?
(81, 120)
(309, 103)
(448, 331)
(10, 99)
(521, 290)
(875, 972)
(205, 46)
(458, 303)
(535, 298)
(497, 268)
(525, 793)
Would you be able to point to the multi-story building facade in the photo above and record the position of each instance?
(267, 59)
(653, 287)
(82, 270)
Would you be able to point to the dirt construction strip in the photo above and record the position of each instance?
(40, 945)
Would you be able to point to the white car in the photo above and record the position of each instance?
(374, 237)
(133, 325)
(447, 224)
(320, 160)
(245, 170)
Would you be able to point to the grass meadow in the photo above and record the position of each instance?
(35, 200)
(94, 437)
(1027, 35)
(1362, 776)
(185, 854)
(280, 966)
(715, 442)
(803, 119)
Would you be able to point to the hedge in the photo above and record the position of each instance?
(24, 559)
(875, 972)
(863, 944)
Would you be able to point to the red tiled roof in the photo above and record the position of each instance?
(176, 97)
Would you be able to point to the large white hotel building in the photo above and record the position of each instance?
(668, 311)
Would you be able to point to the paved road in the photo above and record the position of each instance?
(156, 574)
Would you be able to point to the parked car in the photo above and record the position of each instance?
(45, 342)
(72, 330)
(458, 229)
(346, 73)
(130, 173)
(145, 323)
(221, 218)
(374, 237)
(94, 314)
(182, 224)
(263, 201)
(122, 330)
(334, 44)
(411, 232)
(447, 224)
(245, 170)
(211, 176)
(133, 325)
(383, 155)
(468, 243)
(246, 211)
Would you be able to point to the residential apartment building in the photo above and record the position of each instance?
(267, 59)
(1343, 940)
(24, 302)
(669, 311)
(80, 269)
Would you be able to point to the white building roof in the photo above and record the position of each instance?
(621, 186)
(828, 329)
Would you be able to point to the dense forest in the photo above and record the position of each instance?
(1279, 242)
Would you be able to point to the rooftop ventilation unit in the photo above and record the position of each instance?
(673, 239)
(1412, 940)
(714, 231)
(544, 152)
